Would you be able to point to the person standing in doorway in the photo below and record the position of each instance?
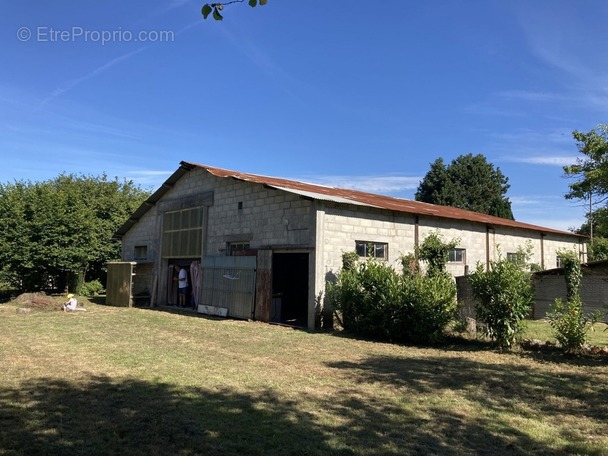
(182, 279)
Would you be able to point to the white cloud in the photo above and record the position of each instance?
(149, 177)
(372, 184)
(558, 160)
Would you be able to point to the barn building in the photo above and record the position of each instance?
(259, 247)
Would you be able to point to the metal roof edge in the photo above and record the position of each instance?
(338, 195)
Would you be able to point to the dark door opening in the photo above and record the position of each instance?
(290, 288)
(173, 283)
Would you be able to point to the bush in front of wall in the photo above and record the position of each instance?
(504, 296)
(570, 324)
(427, 306)
(377, 302)
(364, 295)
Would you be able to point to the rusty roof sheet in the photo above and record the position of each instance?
(341, 195)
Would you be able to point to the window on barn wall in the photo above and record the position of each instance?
(558, 261)
(516, 257)
(183, 233)
(141, 252)
(236, 248)
(456, 256)
(366, 249)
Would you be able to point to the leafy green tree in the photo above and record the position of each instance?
(468, 182)
(59, 232)
(598, 249)
(590, 171)
(504, 297)
(599, 219)
(215, 8)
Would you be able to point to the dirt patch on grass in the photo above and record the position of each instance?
(38, 301)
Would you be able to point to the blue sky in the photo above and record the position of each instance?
(353, 94)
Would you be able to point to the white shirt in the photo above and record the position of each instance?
(183, 278)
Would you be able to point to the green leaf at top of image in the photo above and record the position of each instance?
(206, 10)
(253, 3)
(216, 15)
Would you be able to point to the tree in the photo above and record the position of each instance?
(215, 8)
(58, 233)
(468, 182)
(591, 171)
(599, 220)
(591, 177)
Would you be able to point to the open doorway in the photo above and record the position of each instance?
(290, 288)
(173, 289)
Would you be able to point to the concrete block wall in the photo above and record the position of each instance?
(145, 232)
(267, 217)
(342, 226)
(471, 236)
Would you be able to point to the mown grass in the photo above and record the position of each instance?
(541, 330)
(137, 381)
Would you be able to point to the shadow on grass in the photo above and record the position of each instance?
(135, 417)
(502, 391)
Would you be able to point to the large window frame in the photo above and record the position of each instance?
(371, 249)
(183, 233)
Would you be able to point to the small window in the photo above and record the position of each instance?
(516, 257)
(558, 262)
(367, 249)
(456, 256)
(141, 252)
(236, 248)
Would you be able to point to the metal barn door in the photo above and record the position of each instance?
(228, 286)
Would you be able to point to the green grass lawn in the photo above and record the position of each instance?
(541, 330)
(137, 381)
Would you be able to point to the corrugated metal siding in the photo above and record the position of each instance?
(229, 282)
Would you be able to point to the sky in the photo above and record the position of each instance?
(354, 94)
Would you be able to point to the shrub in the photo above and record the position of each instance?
(91, 288)
(570, 325)
(568, 321)
(365, 295)
(377, 302)
(504, 296)
(428, 305)
(435, 252)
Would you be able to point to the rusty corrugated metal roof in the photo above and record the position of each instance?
(338, 195)
(357, 197)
